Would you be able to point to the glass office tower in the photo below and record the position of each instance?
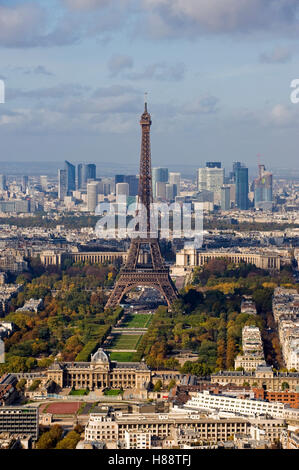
(85, 172)
(241, 175)
(70, 176)
(159, 175)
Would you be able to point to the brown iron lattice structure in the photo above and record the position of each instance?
(154, 273)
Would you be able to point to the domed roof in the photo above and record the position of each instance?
(99, 356)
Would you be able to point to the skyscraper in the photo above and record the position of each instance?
(92, 195)
(24, 183)
(211, 178)
(241, 175)
(161, 190)
(44, 182)
(213, 164)
(215, 178)
(201, 179)
(175, 179)
(81, 178)
(225, 198)
(62, 184)
(70, 176)
(122, 189)
(132, 181)
(85, 172)
(171, 192)
(263, 193)
(3, 186)
(159, 175)
(236, 165)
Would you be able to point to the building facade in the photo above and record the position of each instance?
(263, 193)
(252, 348)
(159, 175)
(262, 377)
(100, 373)
(211, 430)
(49, 257)
(208, 401)
(241, 181)
(19, 420)
(286, 397)
(85, 172)
(191, 257)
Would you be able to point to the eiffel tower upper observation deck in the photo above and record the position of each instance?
(155, 273)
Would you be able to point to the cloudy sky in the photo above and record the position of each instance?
(218, 74)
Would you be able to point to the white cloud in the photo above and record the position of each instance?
(59, 91)
(72, 109)
(160, 71)
(85, 4)
(31, 24)
(279, 55)
(282, 116)
(204, 105)
(19, 25)
(189, 17)
(118, 63)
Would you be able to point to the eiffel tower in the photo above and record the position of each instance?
(154, 273)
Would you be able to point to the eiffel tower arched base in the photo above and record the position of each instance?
(158, 279)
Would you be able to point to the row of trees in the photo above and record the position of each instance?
(72, 315)
(200, 323)
(53, 439)
(206, 319)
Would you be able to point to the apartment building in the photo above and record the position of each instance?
(248, 306)
(253, 352)
(161, 426)
(285, 307)
(19, 420)
(31, 305)
(207, 401)
(262, 377)
(179, 427)
(138, 440)
(286, 397)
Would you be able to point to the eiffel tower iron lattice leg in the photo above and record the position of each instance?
(154, 275)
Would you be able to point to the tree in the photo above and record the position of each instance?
(31, 363)
(221, 356)
(158, 386)
(34, 386)
(79, 428)
(21, 385)
(49, 439)
(285, 386)
(45, 362)
(171, 384)
(230, 352)
(196, 368)
(70, 441)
